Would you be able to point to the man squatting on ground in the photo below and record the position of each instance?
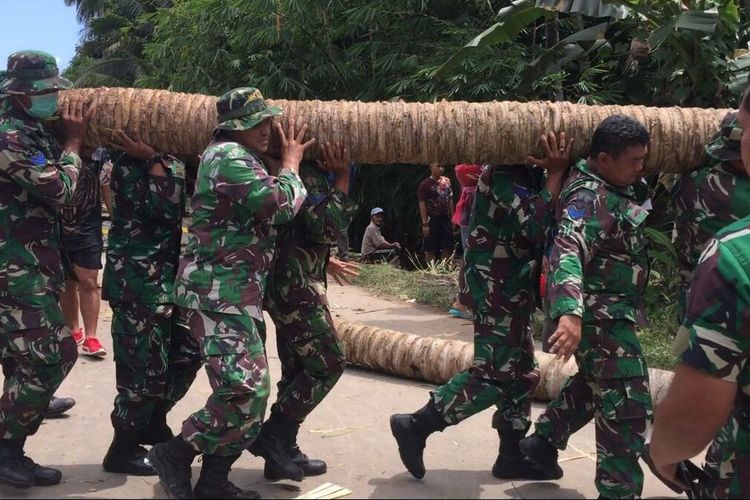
(312, 360)
(156, 356)
(595, 288)
(513, 209)
(37, 177)
(221, 282)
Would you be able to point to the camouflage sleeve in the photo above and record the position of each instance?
(535, 215)
(584, 223)
(51, 181)
(326, 212)
(273, 199)
(163, 197)
(717, 322)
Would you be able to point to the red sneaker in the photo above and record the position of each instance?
(78, 336)
(92, 347)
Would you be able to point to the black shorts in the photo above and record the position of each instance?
(441, 235)
(83, 249)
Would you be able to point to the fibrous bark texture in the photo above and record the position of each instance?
(437, 360)
(399, 132)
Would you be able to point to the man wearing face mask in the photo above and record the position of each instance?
(36, 179)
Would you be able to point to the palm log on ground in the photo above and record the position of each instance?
(398, 132)
(437, 360)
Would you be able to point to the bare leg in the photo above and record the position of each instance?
(88, 292)
(69, 304)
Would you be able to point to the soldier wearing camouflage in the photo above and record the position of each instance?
(312, 359)
(513, 209)
(36, 179)
(221, 281)
(598, 273)
(709, 199)
(156, 357)
(721, 348)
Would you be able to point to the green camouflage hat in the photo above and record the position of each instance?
(243, 109)
(31, 72)
(725, 144)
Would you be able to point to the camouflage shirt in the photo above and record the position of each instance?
(235, 208)
(33, 186)
(717, 326)
(299, 272)
(598, 263)
(143, 249)
(706, 201)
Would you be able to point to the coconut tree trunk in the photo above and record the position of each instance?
(399, 132)
(437, 360)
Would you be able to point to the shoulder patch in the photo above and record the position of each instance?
(38, 158)
(178, 169)
(575, 213)
(520, 191)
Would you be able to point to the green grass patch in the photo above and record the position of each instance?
(437, 286)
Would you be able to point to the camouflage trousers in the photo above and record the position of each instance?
(504, 372)
(156, 361)
(611, 387)
(312, 360)
(235, 362)
(39, 360)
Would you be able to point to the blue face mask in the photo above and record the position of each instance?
(42, 106)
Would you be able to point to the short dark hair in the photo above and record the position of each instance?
(616, 133)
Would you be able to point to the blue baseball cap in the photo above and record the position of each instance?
(376, 211)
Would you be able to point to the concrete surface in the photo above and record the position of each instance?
(349, 430)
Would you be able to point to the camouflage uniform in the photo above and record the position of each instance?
(156, 356)
(716, 326)
(510, 216)
(311, 357)
(222, 278)
(707, 200)
(33, 186)
(598, 272)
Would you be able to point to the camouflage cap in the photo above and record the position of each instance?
(31, 72)
(725, 144)
(243, 108)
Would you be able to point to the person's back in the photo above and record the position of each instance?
(143, 247)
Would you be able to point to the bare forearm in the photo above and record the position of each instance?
(685, 424)
(423, 211)
(341, 183)
(554, 185)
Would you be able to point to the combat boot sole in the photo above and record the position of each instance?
(410, 444)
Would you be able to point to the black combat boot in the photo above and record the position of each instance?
(58, 406)
(310, 467)
(126, 456)
(158, 431)
(214, 479)
(172, 461)
(543, 453)
(511, 463)
(273, 444)
(43, 476)
(13, 472)
(411, 432)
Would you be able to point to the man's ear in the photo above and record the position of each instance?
(603, 159)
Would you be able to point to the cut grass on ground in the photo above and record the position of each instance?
(438, 285)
